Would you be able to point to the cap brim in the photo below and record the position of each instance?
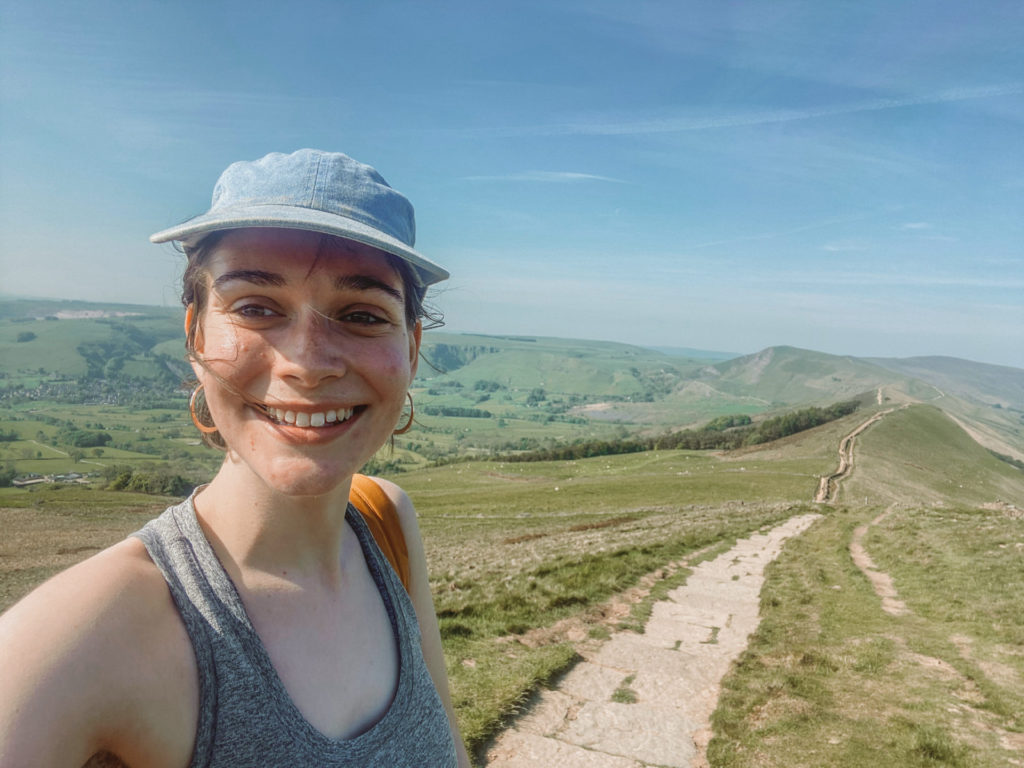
(291, 217)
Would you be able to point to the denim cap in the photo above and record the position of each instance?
(317, 191)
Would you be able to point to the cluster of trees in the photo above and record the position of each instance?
(798, 421)
(7, 475)
(723, 423)
(83, 438)
(158, 482)
(723, 433)
(455, 410)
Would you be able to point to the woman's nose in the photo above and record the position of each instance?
(313, 353)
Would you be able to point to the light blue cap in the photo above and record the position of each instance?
(317, 191)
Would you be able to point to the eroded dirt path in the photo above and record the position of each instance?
(881, 582)
(646, 700)
(828, 486)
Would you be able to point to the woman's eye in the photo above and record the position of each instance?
(363, 317)
(254, 311)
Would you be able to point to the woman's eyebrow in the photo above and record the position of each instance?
(366, 283)
(255, 276)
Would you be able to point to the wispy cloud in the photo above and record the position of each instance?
(599, 127)
(844, 247)
(547, 177)
(916, 225)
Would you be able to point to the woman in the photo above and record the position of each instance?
(257, 623)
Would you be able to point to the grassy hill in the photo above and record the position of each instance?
(46, 342)
(919, 455)
(560, 366)
(791, 375)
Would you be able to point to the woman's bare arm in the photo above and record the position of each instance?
(93, 661)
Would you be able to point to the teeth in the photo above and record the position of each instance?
(303, 419)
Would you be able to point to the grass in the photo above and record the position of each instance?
(512, 549)
(53, 528)
(919, 455)
(829, 679)
(510, 554)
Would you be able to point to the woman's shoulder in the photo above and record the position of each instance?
(83, 654)
(399, 498)
(120, 585)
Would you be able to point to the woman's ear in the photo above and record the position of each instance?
(415, 339)
(193, 334)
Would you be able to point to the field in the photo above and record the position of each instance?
(529, 560)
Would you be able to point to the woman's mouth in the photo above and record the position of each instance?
(310, 419)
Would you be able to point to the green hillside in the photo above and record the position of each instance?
(563, 366)
(918, 455)
(791, 375)
(49, 342)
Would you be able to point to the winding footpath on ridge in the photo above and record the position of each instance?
(646, 699)
(828, 486)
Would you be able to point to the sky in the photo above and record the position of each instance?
(846, 177)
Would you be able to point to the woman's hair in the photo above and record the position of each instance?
(195, 296)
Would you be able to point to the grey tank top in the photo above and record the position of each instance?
(246, 717)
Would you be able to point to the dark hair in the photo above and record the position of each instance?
(194, 295)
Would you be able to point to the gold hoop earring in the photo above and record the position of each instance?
(192, 412)
(412, 412)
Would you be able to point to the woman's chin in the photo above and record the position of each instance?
(302, 478)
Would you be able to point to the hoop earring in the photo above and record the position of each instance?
(192, 412)
(412, 412)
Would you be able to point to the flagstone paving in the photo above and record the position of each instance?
(646, 700)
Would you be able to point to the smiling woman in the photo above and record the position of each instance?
(259, 622)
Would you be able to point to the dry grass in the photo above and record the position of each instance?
(61, 528)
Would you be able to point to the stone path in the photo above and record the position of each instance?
(646, 700)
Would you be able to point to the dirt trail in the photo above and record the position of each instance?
(828, 486)
(643, 700)
(881, 582)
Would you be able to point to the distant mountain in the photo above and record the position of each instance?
(696, 354)
(565, 366)
(981, 382)
(787, 375)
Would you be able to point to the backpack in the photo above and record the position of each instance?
(381, 518)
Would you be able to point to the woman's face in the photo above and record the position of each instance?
(307, 355)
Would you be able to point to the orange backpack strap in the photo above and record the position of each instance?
(381, 518)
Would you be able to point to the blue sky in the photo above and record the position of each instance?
(840, 176)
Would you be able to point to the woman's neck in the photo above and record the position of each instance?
(259, 530)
